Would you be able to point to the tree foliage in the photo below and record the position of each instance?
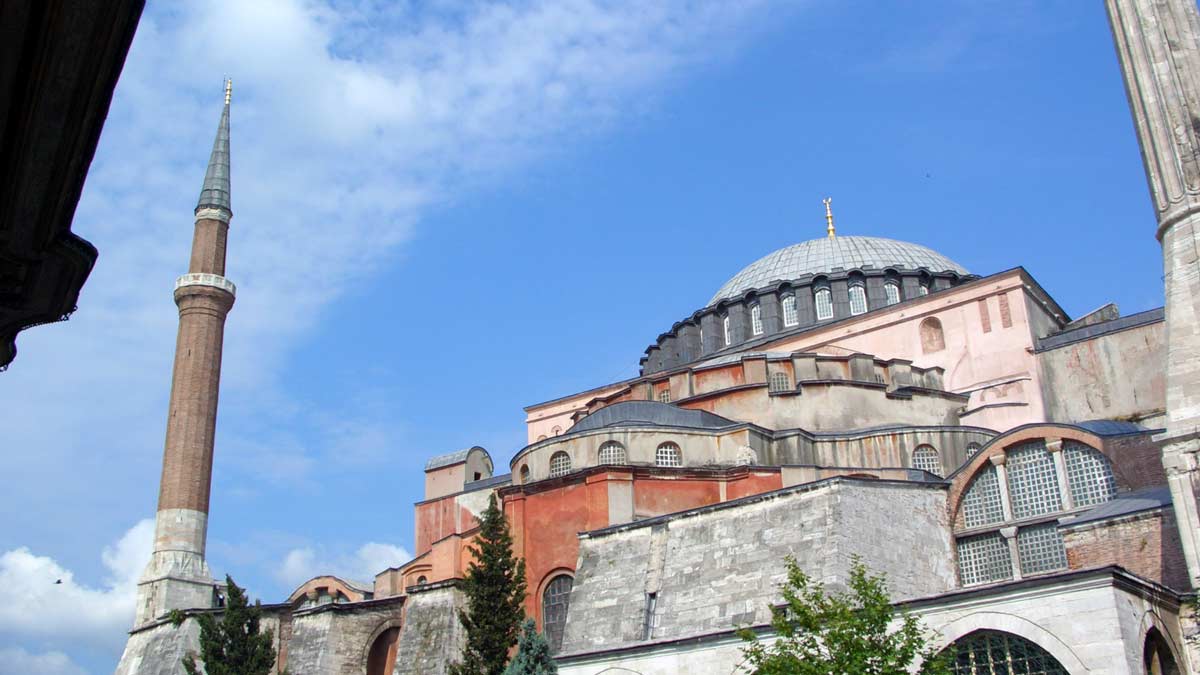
(233, 645)
(533, 654)
(841, 632)
(495, 588)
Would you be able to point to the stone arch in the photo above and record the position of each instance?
(379, 652)
(1003, 622)
(1158, 641)
(933, 337)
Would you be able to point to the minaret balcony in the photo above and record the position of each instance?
(211, 280)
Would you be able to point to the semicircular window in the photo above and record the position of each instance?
(993, 652)
(613, 452)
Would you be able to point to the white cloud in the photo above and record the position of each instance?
(301, 564)
(17, 661)
(38, 607)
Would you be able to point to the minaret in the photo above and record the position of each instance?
(178, 576)
(1158, 43)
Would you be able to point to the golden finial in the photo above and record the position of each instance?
(228, 90)
(829, 217)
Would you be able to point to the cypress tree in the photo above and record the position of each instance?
(533, 654)
(495, 588)
(234, 646)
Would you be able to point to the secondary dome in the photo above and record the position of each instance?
(821, 256)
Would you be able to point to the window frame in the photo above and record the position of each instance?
(791, 316)
(560, 471)
(891, 293)
(858, 298)
(668, 446)
(823, 303)
(756, 322)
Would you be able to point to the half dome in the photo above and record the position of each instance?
(824, 255)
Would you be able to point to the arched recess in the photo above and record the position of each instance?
(379, 655)
(1157, 658)
(1008, 623)
(933, 338)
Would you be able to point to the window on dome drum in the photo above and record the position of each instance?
(926, 458)
(780, 382)
(725, 330)
(1036, 502)
(668, 455)
(972, 448)
(525, 474)
(891, 291)
(555, 602)
(823, 300)
(923, 289)
(421, 579)
(858, 299)
(560, 464)
(992, 652)
(790, 317)
(613, 452)
(756, 325)
(664, 396)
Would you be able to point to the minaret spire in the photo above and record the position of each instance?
(829, 217)
(177, 576)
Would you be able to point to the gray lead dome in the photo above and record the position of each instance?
(824, 255)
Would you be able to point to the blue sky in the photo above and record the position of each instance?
(446, 212)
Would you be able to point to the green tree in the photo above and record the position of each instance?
(533, 654)
(824, 633)
(495, 588)
(234, 645)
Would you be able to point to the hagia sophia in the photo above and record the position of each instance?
(1026, 480)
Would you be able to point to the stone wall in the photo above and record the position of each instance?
(159, 648)
(335, 638)
(1145, 543)
(712, 569)
(432, 636)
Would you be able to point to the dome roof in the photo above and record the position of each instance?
(821, 256)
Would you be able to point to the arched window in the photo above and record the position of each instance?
(422, 579)
(858, 299)
(972, 448)
(790, 317)
(780, 382)
(823, 301)
(664, 395)
(725, 330)
(932, 337)
(525, 473)
(613, 452)
(1157, 658)
(560, 464)
(990, 652)
(556, 431)
(556, 600)
(668, 454)
(1088, 474)
(925, 458)
(981, 503)
(891, 291)
(923, 288)
(756, 325)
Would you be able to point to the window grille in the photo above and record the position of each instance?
(668, 455)
(560, 464)
(988, 652)
(983, 558)
(1089, 474)
(780, 382)
(972, 448)
(790, 318)
(981, 504)
(725, 329)
(927, 459)
(1032, 480)
(664, 396)
(613, 452)
(824, 302)
(556, 600)
(1040, 549)
(858, 299)
(756, 325)
(892, 290)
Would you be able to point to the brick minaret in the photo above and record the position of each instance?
(1158, 43)
(178, 576)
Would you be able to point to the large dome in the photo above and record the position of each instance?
(821, 256)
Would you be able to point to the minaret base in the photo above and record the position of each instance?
(174, 580)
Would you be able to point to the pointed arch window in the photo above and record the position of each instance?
(823, 301)
(790, 317)
(756, 324)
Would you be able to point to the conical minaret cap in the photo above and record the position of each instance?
(215, 193)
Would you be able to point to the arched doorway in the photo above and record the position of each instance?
(993, 652)
(382, 657)
(1156, 655)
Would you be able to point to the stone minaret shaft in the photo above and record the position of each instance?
(178, 576)
(1158, 43)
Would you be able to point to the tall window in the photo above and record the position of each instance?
(990, 652)
(926, 458)
(725, 330)
(756, 325)
(858, 299)
(668, 454)
(1032, 481)
(556, 600)
(779, 382)
(560, 464)
(823, 300)
(525, 474)
(790, 317)
(891, 291)
(613, 452)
